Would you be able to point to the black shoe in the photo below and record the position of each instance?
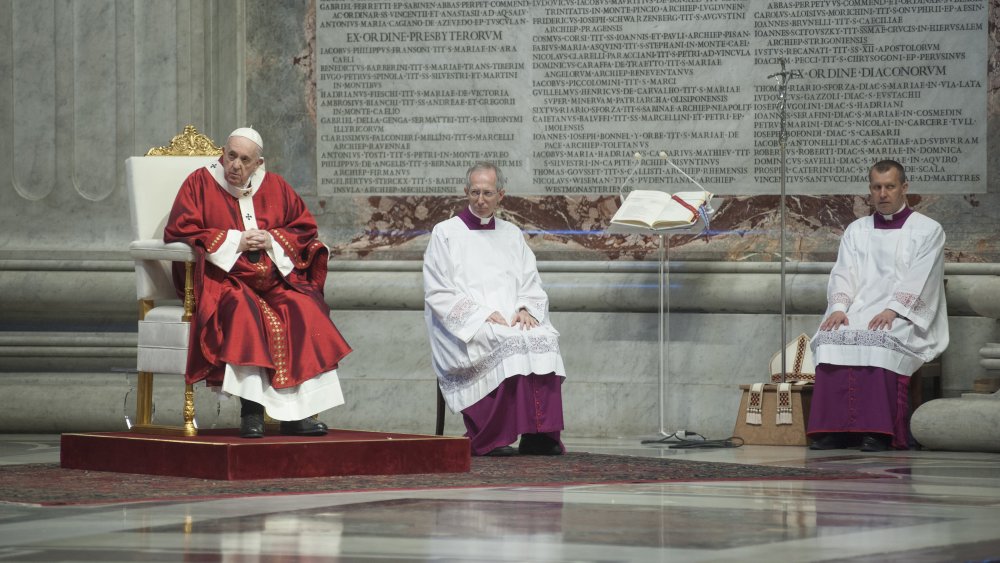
(503, 451)
(833, 441)
(874, 443)
(252, 426)
(305, 427)
(538, 444)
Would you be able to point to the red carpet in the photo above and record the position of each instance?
(49, 484)
(224, 455)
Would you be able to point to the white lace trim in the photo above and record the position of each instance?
(460, 313)
(912, 301)
(842, 298)
(537, 304)
(466, 377)
(873, 338)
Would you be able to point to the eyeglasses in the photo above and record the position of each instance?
(487, 194)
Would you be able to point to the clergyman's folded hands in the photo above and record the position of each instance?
(522, 318)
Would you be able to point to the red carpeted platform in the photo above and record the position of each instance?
(222, 454)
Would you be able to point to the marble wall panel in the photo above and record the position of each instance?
(276, 66)
(612, 386)
(612, 359)
(612, 362)
(387, 404)
(94, 166)
(84, 84)
(709, 410)
(612, 410)
(178, 62)
(190, 58)
(33, 98)
(54, 402)
(156, 70)
(386, 345)
(222, 78)
(571, 228)
(613, 348)
(124, 81)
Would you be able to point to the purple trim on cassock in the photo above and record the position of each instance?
(861, 399)
(521, 404)
(474, 223)
(896, 222)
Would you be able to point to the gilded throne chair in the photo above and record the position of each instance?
(153, 181)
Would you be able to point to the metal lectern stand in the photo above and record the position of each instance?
(783, 77)
(663, 285)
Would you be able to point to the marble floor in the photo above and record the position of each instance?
(938, 506)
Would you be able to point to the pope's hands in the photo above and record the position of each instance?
(255, 239)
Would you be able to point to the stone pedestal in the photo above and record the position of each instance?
(971, 423)
(968, 424)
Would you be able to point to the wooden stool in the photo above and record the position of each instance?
(768, 433)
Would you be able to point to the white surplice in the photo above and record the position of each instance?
(900, 269)
(469, 274)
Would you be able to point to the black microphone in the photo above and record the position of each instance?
(253, 256)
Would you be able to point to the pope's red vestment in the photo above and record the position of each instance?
(253, 315)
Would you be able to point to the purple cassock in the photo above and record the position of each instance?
(863, 399)
(521, 404)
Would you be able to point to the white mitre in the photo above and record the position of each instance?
(799, 362)
(248, 133)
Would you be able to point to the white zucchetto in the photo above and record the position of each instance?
(248, 133)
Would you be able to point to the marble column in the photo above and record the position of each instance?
(971, 422)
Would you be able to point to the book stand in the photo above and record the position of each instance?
(664, 302)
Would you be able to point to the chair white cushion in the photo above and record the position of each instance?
(156, 249)
(163, 341)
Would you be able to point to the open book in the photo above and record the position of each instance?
(659, 210)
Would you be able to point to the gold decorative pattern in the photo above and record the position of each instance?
(189, 299)
(288, 248)
(277, 343)
(189, 427)
(216, 242)
(188, 143)
(262, 270)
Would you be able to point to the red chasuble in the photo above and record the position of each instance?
(252, 315)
